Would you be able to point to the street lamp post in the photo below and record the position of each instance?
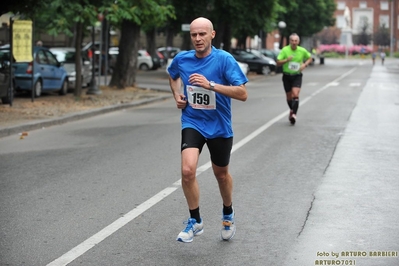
(281, 26)
(93, 89)
(392, 42)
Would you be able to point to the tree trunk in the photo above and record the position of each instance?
(227, 38)
(263, 36)
(186, 44)
(241, 42)
(169, 38)
(151, 39)
(151, 42)
(78, 59)
(125, 70)
(218, 40)
(105, 40)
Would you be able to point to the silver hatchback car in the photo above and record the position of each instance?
(66, 55)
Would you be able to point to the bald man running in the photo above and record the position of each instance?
(210, 78)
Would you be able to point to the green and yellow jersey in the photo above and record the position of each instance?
(298, 57)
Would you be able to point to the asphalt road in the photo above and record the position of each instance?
(106, 190)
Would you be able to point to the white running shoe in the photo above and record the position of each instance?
(293, 119)
(229, 228)
(192, 229)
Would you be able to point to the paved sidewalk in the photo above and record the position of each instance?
(354, 218)
(37, 124)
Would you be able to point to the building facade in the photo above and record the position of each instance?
(370, 15)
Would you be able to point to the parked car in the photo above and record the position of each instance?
(158, 61)
(244, 67)
(257, 64)
(168, 52)
(271, 60)
(170, 59)
(144, 59)
(66, 55)
(49, 74)
(97, 44)
(5, 95)
(272, 54)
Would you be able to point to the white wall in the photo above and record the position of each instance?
(358, 15)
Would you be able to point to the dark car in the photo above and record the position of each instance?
(49, 74)
(5, 94)
(256, 63)
(168, 52)
(272, 54)
(88, 52)
(158, 60)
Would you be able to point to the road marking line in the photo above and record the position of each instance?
(86, 245)
(355, 84)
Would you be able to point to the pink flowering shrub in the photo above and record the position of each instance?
(340, 49)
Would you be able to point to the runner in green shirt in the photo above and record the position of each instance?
(294, 59)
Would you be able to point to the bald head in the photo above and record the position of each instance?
(201, 22)
(202, 33)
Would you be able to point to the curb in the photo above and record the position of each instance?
(8, 131)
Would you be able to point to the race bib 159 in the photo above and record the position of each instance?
(200, 98)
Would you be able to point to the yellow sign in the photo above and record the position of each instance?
(22, 40)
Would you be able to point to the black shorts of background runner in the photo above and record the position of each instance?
(219, 148)
(292, 80)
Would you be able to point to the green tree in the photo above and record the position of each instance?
(364, 37)
(69, 17)
(307, 17)
(73, 16)
(382, 36)
(131, 15)
(233, 18)
(186, 11)
(329, 35)
(245, 20)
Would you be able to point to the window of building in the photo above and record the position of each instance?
(384, 21)
(384, 5)
(363, 4)
(340, 21)
(341, 5)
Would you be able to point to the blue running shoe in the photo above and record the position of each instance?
(192, 229)
(229, 228)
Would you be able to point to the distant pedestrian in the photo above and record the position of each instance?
(373, 56)
(382, 55)
(39, 43)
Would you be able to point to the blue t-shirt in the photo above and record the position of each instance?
(207, 111)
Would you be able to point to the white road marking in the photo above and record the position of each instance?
(86, 245)
(355, 84)
(334, 83)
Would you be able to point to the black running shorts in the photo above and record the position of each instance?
(219, 148)
(290, 81)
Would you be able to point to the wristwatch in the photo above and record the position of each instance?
(212, 85)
